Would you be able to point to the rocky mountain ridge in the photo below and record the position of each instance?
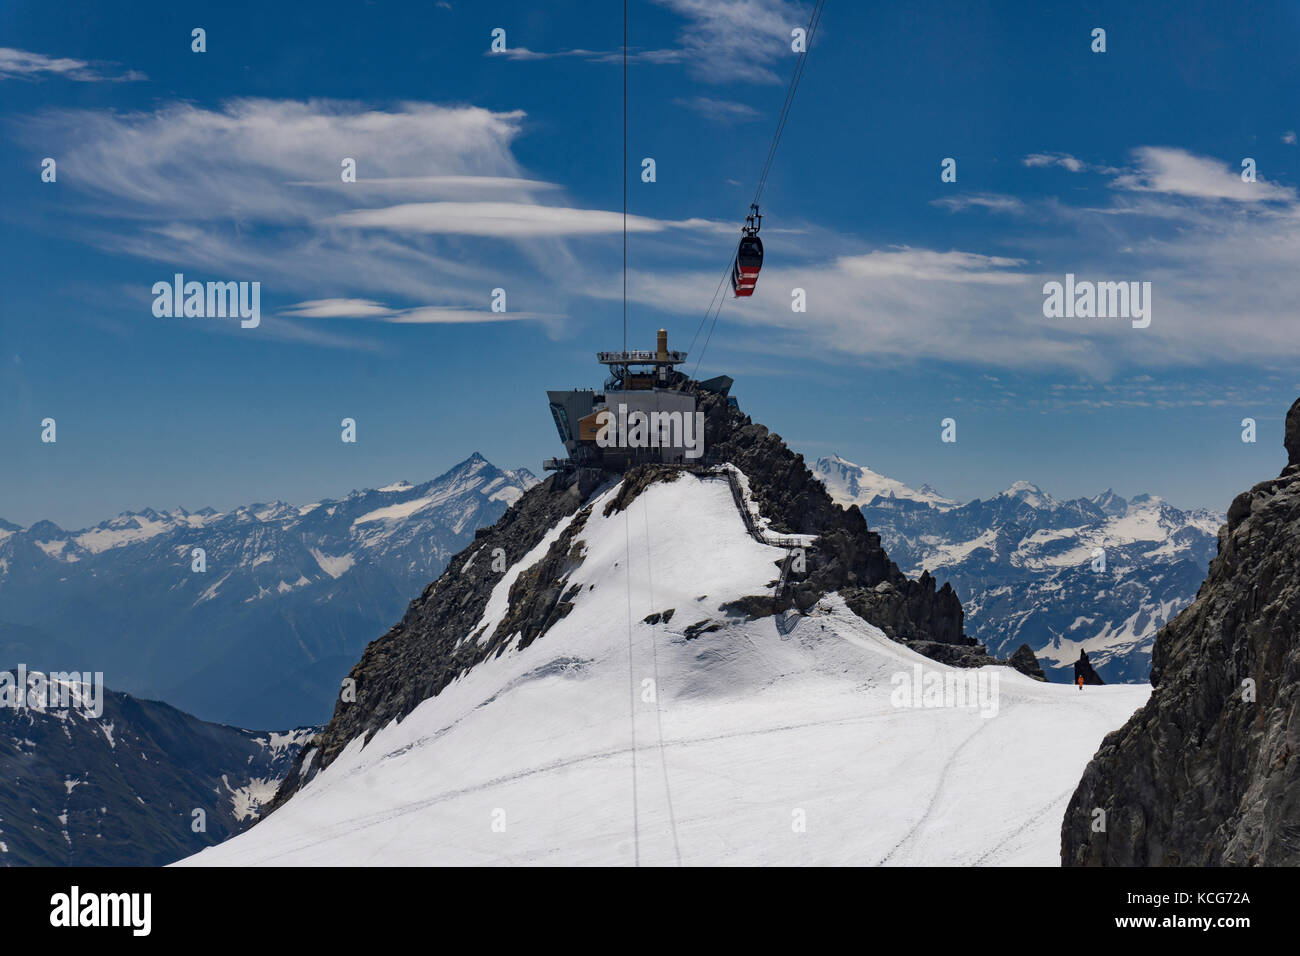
(1207, 773)
(122, 787)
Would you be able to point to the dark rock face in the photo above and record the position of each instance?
(954, 655)
(912, 614)
(1292, 437)
(1083, 668)
(121, 789)
(1208, 772)
(849, 557)
(1024, 661)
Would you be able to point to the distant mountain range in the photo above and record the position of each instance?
(122, 788)
(1021, 562)
(261, 637)
(851, 484)
(292, 594)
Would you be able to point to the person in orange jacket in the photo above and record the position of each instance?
(1083, 672)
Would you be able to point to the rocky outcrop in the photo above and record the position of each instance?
(124, 787)
(909, 613)
(1208, 772)
(1291, 440)
(1024, 661)
(1083, 668)
(849, 557)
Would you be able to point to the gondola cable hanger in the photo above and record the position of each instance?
(748, 260)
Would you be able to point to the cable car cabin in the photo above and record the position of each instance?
(749, 259)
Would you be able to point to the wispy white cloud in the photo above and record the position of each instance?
(339, 309)
(990, 201)
(25, 64)
(1064, 160)
(723, 41)
(729, 41)
(211, 189)
(252, 189)
(458, 187)
(596, 56)
(925, 265)
(1221, 274)
(508, 220)
(1068, 162)
(887, 307)
(1289, 137)
(418, 315)
(1163, 169)
(722, 111)
(184, 162)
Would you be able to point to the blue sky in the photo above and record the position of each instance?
(480, 170)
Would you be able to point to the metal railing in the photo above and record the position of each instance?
(638, 356)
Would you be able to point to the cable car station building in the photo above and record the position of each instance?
(646, 413)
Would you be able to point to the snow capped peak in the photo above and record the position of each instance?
(474, 463)
(1022, 562)
(524, 477)
(391, 516)
(1110, 503)
(45, 530)
(1029, 493)
(851, 484)
(124, 520)
(1021, 487)
(271, 512)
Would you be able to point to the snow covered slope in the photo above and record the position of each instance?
(611, 740)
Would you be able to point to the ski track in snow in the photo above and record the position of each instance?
(934, 797)
(756, 729)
